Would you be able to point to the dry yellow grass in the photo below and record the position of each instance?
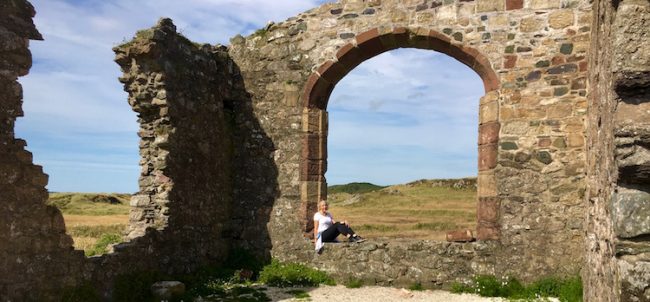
(91, 220)
(417, 211)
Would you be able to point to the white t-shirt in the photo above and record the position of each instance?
(324, 221)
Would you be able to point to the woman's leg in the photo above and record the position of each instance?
(330, 234)
(344, 229)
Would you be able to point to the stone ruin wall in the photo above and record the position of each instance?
(535, 180)
(35, 248)
(618, 230)
(180, 216)
(223, 148)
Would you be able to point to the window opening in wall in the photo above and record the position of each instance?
(402, 146)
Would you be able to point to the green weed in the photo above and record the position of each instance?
(416, 286)
(353, 283)
(103, 243)
(298, 293)
(292, 274)
(565, 289)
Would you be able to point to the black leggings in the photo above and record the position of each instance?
(330, 234)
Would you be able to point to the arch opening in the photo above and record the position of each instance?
(368, 44)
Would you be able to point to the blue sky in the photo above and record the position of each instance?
(401, 116)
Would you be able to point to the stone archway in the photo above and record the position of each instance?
(366, 45)
(532, 56)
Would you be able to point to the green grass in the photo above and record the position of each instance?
(96, 231)
(436, 226)
(90, 203)
(354, 188)
(292, 274)
(416, 286)
(353, 283)
(425, 209)
(102, 244)
(376, 227)
(224, 283)
(565, 289)
(298, 293)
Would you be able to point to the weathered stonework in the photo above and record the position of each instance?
(234, 147)
(180, 218)
(35, 249)
(532, 57)
(618, 230)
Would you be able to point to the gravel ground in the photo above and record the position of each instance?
(340, 293)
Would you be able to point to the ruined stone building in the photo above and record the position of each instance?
(564, 146)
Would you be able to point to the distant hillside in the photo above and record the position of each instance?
(422, 209)
(354, 188)
(90, 203)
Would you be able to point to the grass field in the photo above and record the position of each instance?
(419, 210)
(93, 220)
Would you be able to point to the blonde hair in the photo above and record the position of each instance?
(322, 202)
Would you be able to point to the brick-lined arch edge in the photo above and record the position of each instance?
(370, 43)
(320, 85)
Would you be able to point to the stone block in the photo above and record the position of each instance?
(349, 56)
(317, 92)
(561, 18)
(489, 97)
(291, 95)
(488, 112)
(314, 146)
(509, 61)
(167, 290)
(514, 4)
(488, 210)
(488, 133)
(314, 120)
(487, 186)
(460, 236)
(634, 277)
(631, 212)
(631, 44)
(632, 114)
(531, 24)
(542, 4)
(369, 44)
(487, 157)
(140, 200)
(312, 170)
(487, 232)
(575, 140)
(490, 5)
(332, 71)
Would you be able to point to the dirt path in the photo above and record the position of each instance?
(340, 293)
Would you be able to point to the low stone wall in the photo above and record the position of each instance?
(433, 264)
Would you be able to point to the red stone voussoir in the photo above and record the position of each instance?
(487, 157)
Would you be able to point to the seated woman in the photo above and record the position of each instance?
(326, 229)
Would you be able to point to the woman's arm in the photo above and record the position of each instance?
(316, 222)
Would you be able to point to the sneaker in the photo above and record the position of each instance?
(359, 239)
